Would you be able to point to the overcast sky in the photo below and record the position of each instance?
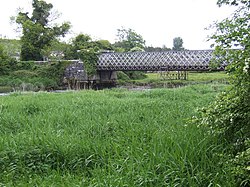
(158, 21)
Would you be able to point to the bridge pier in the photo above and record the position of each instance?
(106, 79)
(173, 75)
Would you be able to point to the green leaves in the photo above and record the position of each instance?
(89, 58)
(229, 116)
(41, 12)
(5, 62)
(37, 33)
(178, 44)
(129, 39)
(84, 48)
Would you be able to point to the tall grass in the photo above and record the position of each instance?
(109, 138)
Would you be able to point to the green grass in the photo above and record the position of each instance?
(196, 76)
(109, 138)
(156, 80)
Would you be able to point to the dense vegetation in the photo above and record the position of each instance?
(30, 76)
(159, 80)
(109, 138)
(115, 137)
(37, 30)
(11, 46)
(229, 116)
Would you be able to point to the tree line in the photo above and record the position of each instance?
(40, 41)
(40, 37)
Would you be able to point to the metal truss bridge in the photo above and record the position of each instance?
(170, 64)
(187, 60)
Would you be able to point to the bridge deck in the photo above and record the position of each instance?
(186, 60)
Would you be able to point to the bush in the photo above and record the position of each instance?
(6, 62)
(24, 74)
(229, 116)
(135, 75)
(5, 89)
(122, 76)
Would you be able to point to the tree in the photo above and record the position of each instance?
(84, 42)
(178, 44)
(229, 116)
(104, 45)
(157, 49)
(6, 62)
(84, 48)
(37, 34)
(128, 39)
(3, 61)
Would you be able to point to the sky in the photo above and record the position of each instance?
(157, 21)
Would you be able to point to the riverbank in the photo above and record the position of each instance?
(152, 80)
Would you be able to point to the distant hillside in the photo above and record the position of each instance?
(11, 46)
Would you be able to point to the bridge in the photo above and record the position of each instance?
(187, 60)
(168, 61)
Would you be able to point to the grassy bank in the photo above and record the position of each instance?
(109, 138)
(156, 80)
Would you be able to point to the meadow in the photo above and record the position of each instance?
(109, 138)
(156, 80)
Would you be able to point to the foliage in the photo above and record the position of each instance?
(54, 71)
(11, 46)
(35, 77)
(104, 45)
(108, 138)
(241, 166)
(122, 76)
(84, 48)
(24, 73)
(135, 75)
(55, 51)
(37, 34)
(3, 59)
(129, 39)
(5, 89)
(80, 42)
(229, 116)
(6, 62)
(136, 49)
(89, 58)
(178, 44)
(156, 49)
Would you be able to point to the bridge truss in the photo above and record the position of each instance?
(187, 60)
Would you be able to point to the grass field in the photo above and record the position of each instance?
(196, 76)
(109, 138)
(155, 80)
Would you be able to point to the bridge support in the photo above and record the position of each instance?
(173, 75)
(106, 79)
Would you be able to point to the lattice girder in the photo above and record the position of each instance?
(186, 60)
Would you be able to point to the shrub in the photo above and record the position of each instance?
(229, 116)
(24, 74)
(122, 76)
(5, 89)
(135, 75)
